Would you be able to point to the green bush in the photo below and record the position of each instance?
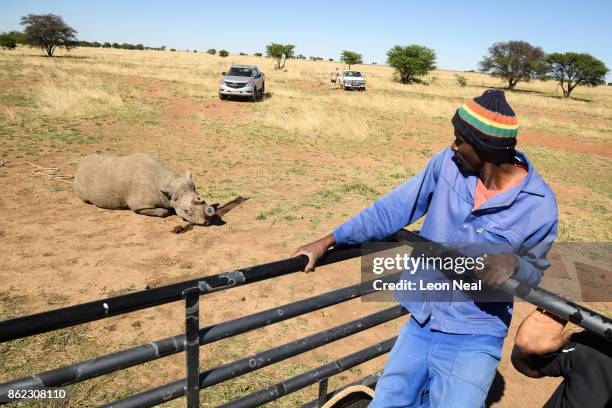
(223, 53)
(211, 51)
(461, 80)
(8, 42)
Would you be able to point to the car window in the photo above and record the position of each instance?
(353, 73)
(243, 72)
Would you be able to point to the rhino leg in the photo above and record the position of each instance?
(154, 212)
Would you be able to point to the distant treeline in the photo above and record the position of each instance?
(19, 38)
(124, 46)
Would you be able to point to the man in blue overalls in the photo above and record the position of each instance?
(480, 190)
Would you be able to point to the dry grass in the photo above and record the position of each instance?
(75, 96)
(309, 157)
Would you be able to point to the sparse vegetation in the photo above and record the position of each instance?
(211, 51)
(461, 80)
(223, 53)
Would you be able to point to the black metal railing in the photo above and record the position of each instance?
(194, 337)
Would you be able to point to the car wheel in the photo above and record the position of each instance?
(262, 91)
(222, 97)
(255, 95)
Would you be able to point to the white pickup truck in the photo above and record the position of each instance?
(352, 80)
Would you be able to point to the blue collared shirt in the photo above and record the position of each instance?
(524, 218)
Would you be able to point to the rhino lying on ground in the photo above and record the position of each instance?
(141, 183)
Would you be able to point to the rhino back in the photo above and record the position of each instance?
(121, 182)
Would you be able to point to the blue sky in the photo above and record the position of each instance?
(459, 31)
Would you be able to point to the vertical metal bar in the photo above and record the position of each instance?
(322, 392)
(192, 345)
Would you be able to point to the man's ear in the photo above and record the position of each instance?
(188, 176)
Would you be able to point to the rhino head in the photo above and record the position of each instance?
(187, 203)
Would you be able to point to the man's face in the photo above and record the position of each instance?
(466, 156)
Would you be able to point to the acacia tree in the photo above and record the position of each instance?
(573, 69)
(211, 51)
(411, 61)
(513, 61)
(280, 53)
(48, 31)
(351, 58)
(223, 53)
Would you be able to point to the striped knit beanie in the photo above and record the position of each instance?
(487, 122)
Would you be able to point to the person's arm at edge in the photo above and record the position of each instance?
(539, 334)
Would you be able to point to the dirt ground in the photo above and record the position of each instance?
(57, 251)
(82, 253)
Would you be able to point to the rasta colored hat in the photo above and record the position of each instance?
(487, 122)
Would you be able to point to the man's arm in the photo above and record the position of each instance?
(402, 206)
(527, 266)
(533, 261)
(539, 334)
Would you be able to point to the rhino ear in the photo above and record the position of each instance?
(188, 176)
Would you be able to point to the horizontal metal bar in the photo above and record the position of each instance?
(311, 377)
(237, 368)
(171, 345)
(579, 315)
(99, 309)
